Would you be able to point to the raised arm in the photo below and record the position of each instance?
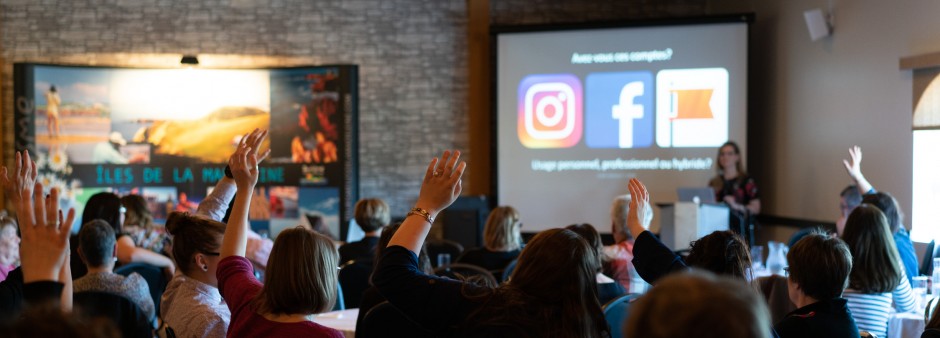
(440, 188)
(45, 243)
(854, 168)
(639, 205)
(244, 166)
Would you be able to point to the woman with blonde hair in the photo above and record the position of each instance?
(551, 292)
(300, 279)
(502, 241)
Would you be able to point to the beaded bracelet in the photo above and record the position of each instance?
(423, 213)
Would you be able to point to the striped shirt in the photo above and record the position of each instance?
(871, 310)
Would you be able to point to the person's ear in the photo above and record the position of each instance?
(201, 262)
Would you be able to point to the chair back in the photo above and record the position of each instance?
(775, 292)
(354, 277)
(926, 264)
(154, 276)
(616, 313)
(384, 320)
(508, 270)
(866, 334)
(126, 315)
(340, 302)
(439, 246)
(467, 272)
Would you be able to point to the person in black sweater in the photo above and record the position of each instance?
(372, 215)
(818, 273)
(551, 292)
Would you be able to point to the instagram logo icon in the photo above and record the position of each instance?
(550, 111)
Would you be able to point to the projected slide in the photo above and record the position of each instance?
(166, 135)
(580, 111)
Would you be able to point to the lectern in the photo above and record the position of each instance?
(684, 222)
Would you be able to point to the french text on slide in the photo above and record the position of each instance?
(622, 57)
(677, 164)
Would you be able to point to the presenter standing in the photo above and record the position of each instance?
(737, 189)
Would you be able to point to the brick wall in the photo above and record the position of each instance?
(411, 53)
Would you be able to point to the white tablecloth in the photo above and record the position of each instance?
(344, 321)
(905, 325)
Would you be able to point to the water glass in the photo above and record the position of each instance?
(443, 259)
(757, 257)
(919, 284)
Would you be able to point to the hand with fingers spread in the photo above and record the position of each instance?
(442, 183)
(244, 162)
(244, 167)
(21, 179)
(637, 221)
(44, 246)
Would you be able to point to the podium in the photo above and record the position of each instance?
(684, 222)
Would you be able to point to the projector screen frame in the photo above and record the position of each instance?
(497, 30)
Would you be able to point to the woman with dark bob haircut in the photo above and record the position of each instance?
(551, 292)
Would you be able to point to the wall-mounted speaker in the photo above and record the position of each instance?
(817, 23)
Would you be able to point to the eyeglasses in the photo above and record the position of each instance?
(212, 253)
(786, 272)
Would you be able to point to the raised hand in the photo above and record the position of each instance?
(244, 162)
(637, 221)
(854, 167)
(442, 183)
(19, 184)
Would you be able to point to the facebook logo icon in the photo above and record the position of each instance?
(619, 110)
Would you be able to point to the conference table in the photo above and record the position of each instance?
(342, 320)
(905, 325)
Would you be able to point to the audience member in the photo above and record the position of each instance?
(551, 292)
(107, 207)
(191, 304)
(849, 198)
(721, 252)
(618, 258)
(878, 278)
(819, 267)
(215, 207)
(9, 246)
(889, 206)
(138, 224)
(737, 189)
(699, 304)
(43, 278)
(371, 297)
(502, 241)
(372, 215)
(932, 328)
(300, 278)
(96, 247)
(607, 288)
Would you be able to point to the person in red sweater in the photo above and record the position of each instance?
(300, 279)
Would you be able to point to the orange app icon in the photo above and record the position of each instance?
(692, 107)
